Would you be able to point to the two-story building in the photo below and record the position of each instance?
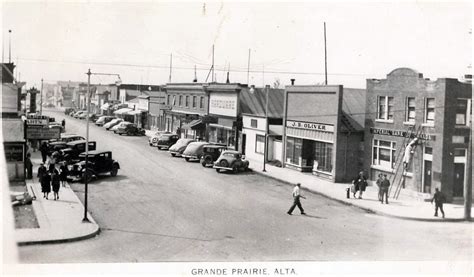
(418, 132)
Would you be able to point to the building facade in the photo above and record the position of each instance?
(320, 136)
(418, 132)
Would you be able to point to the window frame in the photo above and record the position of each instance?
(409, 109)
(426, 121)
(466, 113)
(252, 120)
(376, 147)
(259, 144)
(194, 101)
(383, 102)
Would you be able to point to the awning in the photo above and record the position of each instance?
(105, 107)
(220, 126)
(195, 124)
(134, 112)
(122, 111)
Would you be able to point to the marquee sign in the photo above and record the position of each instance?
(310, 126)
(43, 133)
(400, 133)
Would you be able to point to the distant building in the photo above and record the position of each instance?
(405, 106)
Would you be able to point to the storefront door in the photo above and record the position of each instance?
(427, 177)
(458, 184)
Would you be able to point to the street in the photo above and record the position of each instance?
(160, 208)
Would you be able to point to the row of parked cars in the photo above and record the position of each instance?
(208, 154)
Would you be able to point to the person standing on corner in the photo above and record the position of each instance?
(439, 198)
(379, 185)
(360, 182)
(384, 185)
(64, 172)
(296, 200)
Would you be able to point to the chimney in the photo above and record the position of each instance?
(292, 82)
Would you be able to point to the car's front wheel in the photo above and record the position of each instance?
(114, 170)
(87, 176)
(224, 163)
(186, 159)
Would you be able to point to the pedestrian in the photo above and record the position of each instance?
(29, 167)
(44, 151)
(46, 184)
(55, 182)
(296, 200)
(439, 198)
(63, 174)
(360, 183)
(41, 172)
(385, 185)
(379, 185)
(63, 123)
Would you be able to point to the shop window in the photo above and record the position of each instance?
(194, 101)
(462, 111)
(323, 156)
(383, 153)
(385, 108)
(410, 110)
(201, 102)
(253, 123)
(260, 144)
(430, 111)
(293, 150)
(180, 101)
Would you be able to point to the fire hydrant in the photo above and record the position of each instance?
(348, 193)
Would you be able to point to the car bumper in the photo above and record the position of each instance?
(176, 153)
(191, 157)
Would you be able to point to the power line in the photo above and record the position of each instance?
(222, 68)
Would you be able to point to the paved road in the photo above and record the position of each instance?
(161, 208)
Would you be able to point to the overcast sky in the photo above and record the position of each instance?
(60, 41)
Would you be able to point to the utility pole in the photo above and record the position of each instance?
(265, 148)
(248, 68)
(171, 66)
(213, 78)
(41, 98)
(325, 58)
(86, 166)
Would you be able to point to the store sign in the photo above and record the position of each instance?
(42, 133)
(310, 126)
(13, 152)
(37, 121)
(400, 133)
(223, 104)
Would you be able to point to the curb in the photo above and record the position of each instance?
(368, 210)
(53, 241)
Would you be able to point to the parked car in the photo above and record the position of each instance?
(67, 138)
(92, 116)
(75, 148)
(178, 148)
(57, 125)
(165, 141)
(231, 160)
(79, 113)
(194, 150)
(210, 153)
(98, 163)
(56, 146)
(104, 119)
(112, 123)
(153, 140)
(67, 111)
(129, 129)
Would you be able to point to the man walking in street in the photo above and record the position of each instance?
(296, 200)
(439, 198)
(384, 186)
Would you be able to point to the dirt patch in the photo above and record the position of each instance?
(25, 217)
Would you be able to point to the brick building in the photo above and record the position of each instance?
(405, 106)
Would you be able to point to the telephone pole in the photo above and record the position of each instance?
(41, 98)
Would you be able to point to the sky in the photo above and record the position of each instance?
(54, 40)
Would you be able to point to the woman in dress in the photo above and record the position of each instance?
(55, 181)
(63, 174)
(46, 184)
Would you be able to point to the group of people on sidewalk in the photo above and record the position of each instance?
(359, 184)
(51, 177)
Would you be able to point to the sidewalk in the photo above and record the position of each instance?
(403, 208)
(60, 220)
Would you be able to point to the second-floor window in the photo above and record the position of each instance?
(410, 110)
(194, 101)
(385, 108)
(187, 101)
(462, 112)
(430, 111)
(253, 123)
(180, 100)
(201, 102)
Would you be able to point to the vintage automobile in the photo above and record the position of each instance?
(129, 129)
(112, 123)
(78, 114)
(194, 150)
(56, 145)
(92, 116)
(67, 138)
(67, 111)
(153, 140)
(231, 160)
(104, 119)
(74, 149)
(165, 141)
(211, 152)
(178, 148)
(98, 163)
(57, 125)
